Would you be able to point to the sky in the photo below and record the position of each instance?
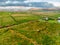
(54, 2)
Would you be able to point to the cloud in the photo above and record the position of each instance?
(12, 2)
(43, 0)
(4, 2)
(55, 3)
(8, 2)
(32, 0)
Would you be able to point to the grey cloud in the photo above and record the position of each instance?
(11, 0)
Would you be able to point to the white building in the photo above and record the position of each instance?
(59, 19)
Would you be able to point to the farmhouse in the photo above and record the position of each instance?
(45, 18)
(59, 19)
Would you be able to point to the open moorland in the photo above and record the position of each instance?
(29, 28)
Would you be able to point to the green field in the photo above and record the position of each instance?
(29, 28)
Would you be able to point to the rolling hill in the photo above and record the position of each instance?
(23, 28)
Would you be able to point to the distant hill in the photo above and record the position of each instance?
(45, 9)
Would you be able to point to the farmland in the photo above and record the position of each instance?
(29, 28)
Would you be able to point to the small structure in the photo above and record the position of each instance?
(45, 18)
(59, 19)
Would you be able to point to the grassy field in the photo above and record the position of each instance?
(28, 28)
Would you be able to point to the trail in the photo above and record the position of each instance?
(23, 36)
(12, 25)
(14, 19)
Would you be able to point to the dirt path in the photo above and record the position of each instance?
(23, 36)
(8, 26)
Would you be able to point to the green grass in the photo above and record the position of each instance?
(44, 36)
(6, 19)
(28, 30)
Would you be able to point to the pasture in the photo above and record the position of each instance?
(26, 28)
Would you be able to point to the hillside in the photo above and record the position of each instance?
(25, 28)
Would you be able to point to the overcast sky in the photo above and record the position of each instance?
(32, 0)
(55, 2)
(46, 0)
